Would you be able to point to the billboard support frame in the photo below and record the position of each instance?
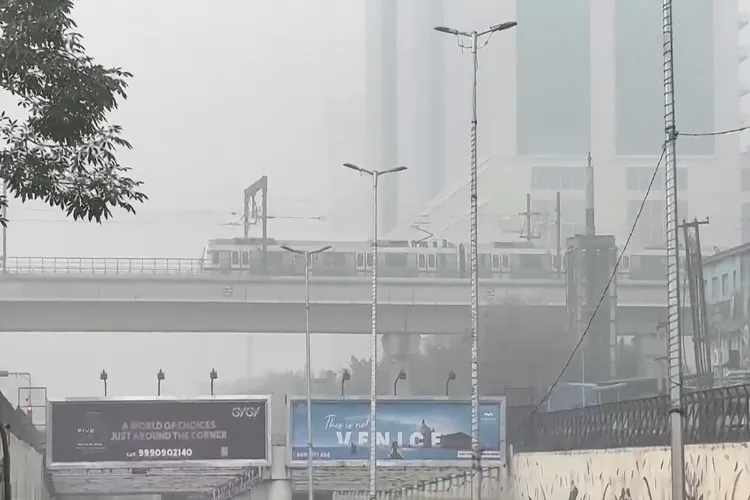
(363, 463)
(228, 464)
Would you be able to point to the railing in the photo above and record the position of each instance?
(718, 415)
(103, 265)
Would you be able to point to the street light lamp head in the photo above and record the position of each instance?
(402, 374)
(324, 249)
(160, 375)
(353, 167)
(397, 169)
(103, 375)
(444, 29)
(214, 374)
(451, 375)
(345, 375)
(503, 26)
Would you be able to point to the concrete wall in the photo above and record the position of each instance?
(26, 471)
(454, 487)
(720, 472)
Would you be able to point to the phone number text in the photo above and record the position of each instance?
(165, 453)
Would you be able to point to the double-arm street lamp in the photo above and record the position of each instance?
(375, 174)
(474, 38)
(308, 254)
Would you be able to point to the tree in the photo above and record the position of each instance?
(63, 151)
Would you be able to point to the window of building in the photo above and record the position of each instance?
(639, 178)
(706, 290)
(652, 225)
(553, 77)
(715, 287)
(572, 220)
(725, 284)
(639, 89)
(745, 179)
(734, 281)
(558, 178)
(745, 222)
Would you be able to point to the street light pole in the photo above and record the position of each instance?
(674, 327)
(308, 255)
(103, 376)
(476, 452)
(213, 375)
(159, 377)
(375, 174)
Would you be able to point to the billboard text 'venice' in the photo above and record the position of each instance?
(415, 430)
(157, 430)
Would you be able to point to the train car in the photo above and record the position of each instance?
(515, 260)
(345, 259)
(648, 264)
(410, 259)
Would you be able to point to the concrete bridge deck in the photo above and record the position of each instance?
(166, 299)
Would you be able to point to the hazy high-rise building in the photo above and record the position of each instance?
(405, 103)
(586, 76)
(381, 130)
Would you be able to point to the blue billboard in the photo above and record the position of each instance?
(415, 430)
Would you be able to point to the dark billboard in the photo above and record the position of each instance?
(159, 431)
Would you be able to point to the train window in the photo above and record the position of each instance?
(245, 256)
(360, 260)
(531, 260)
(334, 259)
(431, 261)
(395, 259)
(214, 258)
(235, 258)
(421, 261)
(506, 261)
(274, 258)
(369, 260)
(495, 261)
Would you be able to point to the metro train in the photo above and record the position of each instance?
(408, 259)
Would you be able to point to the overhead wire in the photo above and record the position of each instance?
(605, 292)
(715, 133)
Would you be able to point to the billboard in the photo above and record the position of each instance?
(409, 432)
(117, 432)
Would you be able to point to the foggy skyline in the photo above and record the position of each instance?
(219, 98)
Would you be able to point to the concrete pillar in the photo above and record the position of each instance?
(401, 348)
(279, 487)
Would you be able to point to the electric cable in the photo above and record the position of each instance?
(718, 132)
(605, 293)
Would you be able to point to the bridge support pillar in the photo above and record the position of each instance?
(280, 485)
(401, 348)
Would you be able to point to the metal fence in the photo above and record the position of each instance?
(719, 415)
(103, 265)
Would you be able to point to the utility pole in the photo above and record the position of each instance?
(526, 233)
(674, 328)
(558, 236)
(697, 293)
